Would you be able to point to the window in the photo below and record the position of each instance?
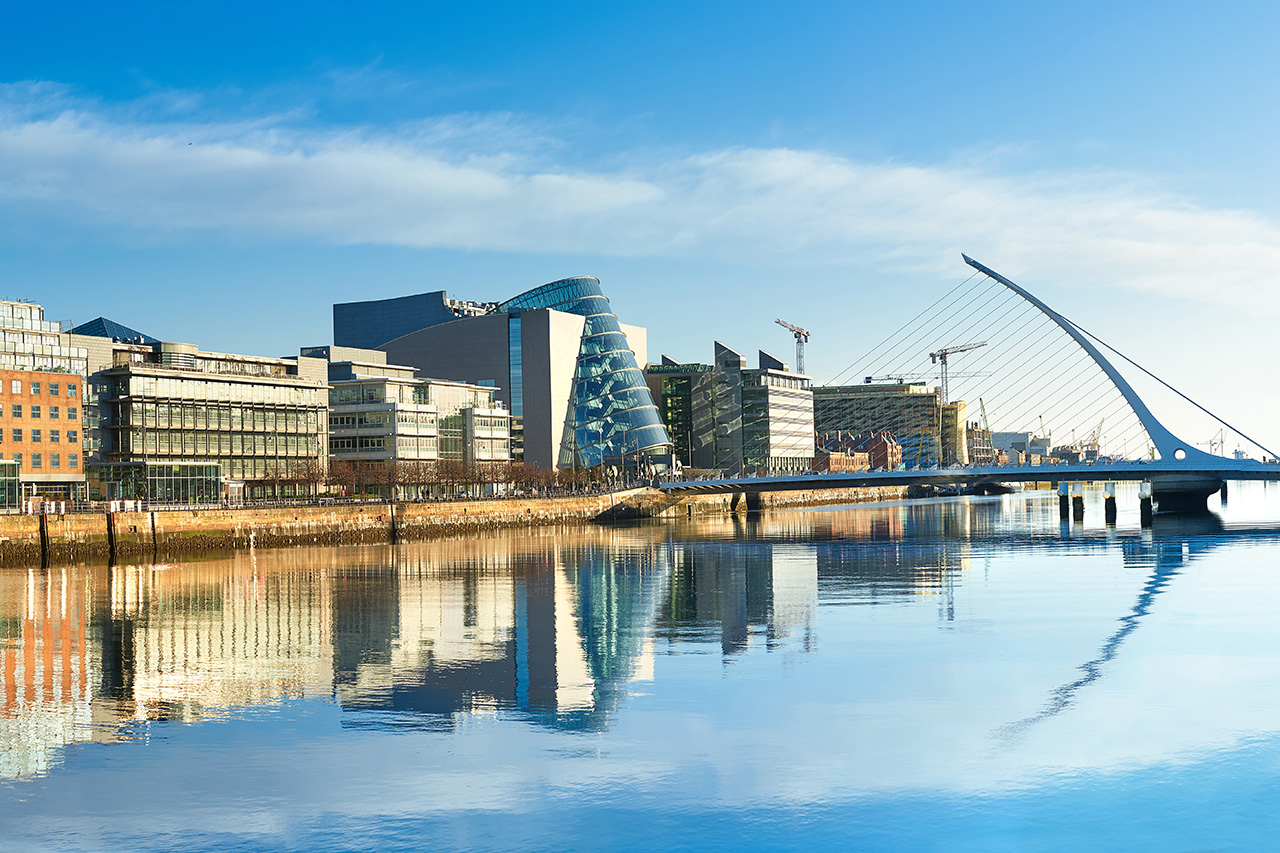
(17, 410)
(36, 461)
(71, 413)
(53, 413)
(71, 390)
(17, 457)
(55, 461)
(73, 461)
(35, 411)
(35, 388)
(35, 436)
(17, 435)
(72, 436)
(15, 386)
(53, 389)
(55, 436)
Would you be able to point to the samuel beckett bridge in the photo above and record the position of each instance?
(999, 351)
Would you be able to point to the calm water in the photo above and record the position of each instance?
(952, 675)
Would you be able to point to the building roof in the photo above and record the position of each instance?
(104, 328)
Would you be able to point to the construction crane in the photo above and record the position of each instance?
(940, 358)
(986, 424)
(801, 337)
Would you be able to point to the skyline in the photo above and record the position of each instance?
(226, 188)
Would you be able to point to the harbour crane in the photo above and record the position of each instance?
(940, 358)
(802, 336)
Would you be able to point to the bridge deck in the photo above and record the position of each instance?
(1226, 469)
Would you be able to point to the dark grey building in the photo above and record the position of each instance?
(368, 325)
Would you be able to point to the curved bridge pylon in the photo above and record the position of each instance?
(1181, 478)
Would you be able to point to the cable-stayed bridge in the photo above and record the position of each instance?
(1039, 364)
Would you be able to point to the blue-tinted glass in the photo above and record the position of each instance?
(517, 366)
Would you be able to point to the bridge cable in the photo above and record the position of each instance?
(1274, 455)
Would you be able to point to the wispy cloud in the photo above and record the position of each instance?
(499, 183)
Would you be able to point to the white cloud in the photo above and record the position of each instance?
(426, 186)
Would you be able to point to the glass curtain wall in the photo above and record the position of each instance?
(615, 418)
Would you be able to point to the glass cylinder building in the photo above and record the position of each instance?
(614, 416)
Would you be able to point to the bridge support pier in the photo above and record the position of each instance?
(1184, 493)
(753, 503)
(1064, 501)
(734, 501)
(1109, 503)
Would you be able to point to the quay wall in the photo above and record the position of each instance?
(45, 539)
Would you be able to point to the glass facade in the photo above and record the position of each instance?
(8, 484)
(180, 483)
(614, 414)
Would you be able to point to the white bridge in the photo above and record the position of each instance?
(1182, 476)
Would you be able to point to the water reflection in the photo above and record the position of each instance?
(556, 629)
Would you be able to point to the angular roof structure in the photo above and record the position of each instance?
(104, 328)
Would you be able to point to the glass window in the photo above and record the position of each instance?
(73, 461)
(15, 386)
(71, 390)
(53, 389)
(17, 435)
(36, 461)
(55, 436)
(35, 387)
(17, 457)
(55, 461)
(35, 436)
(53, 413)
(35, 411)
(72, 436)
(72, 413)
(17, 410)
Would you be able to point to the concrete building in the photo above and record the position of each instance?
(384, 413)
(562, 364)
(731, 418)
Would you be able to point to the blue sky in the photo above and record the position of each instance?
(221, 173)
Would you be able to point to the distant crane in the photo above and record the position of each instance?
(802, 337)
(940, 358)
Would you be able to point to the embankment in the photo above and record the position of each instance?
(48, 539)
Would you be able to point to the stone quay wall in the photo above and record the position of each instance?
(30, 540)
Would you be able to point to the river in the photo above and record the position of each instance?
(951, 674)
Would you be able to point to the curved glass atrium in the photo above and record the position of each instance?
(614, 417)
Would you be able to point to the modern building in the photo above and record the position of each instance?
(978, 441)
(368, 325)
(911, 411)
(262, 421)
(562, 364)
(734, 419)
(383, 413)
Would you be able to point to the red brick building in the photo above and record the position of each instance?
(40, 429)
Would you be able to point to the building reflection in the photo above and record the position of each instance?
(556, 628)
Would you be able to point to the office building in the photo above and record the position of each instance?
(42, 372)
(562, 364)
(734, 419)
(262, 421)
(910, 411)
(382, 413)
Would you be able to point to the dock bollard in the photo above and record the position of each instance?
(1064, 512)
(1077, 502)
(1144, 504)
(1109, 502)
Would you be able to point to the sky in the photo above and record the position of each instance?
(223, 173)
